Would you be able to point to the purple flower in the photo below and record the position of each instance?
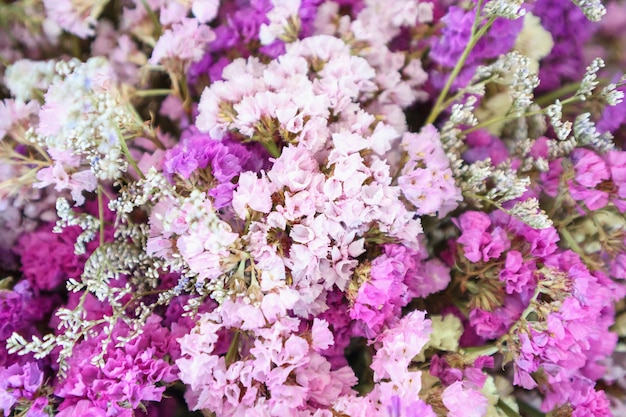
(483, 145)
(20, 383)
(447, 49)
(131, 373)
(518, 275)
(51, 271)
(493, 324)
(570, 30)
(478, 243)
(21, 308)
(396, 277)
(223, 160)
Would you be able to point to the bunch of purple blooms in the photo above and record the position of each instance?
(312, 208)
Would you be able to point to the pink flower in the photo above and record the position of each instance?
(13, 113)
(181, 45)
(427, 180)
(478, 243)
(517, 274)
(79, 21)
(616, 161)
(400, 344)
(463, 401)
(590, 168)
(254, 193)
(429, 277)
(205, 10)
(321, 336)
(77, 182)
(294, 169)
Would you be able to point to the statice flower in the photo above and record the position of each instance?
(254, 373)
(181, 45)
(265, 102)
(575, 322)
(426, 179)
(613, 116)
(498, 301)
(76, 181)
(120, 50)
(395, 278)
(570, 30)
(447, 49)
(49, 272)
(77, 17)
(188, 228)
(83, 115)
(305, 220)
(383, 294)
(240, 29)
(200, 156)
(133, 373)
(320, 210)
(21, 307)
(478, 243)
(398, 386)
(283, 22)
(379, 34)
(320, 184)
(21, 383)
(400, 344)
(21, 212)
(599, 179)
(483, 145)
(464, 401)
(26, 78)
(338, 318)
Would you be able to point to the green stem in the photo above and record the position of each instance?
(186, 95)
(499, 119)
(158, 30)
(475, 352)
(130, 159)
(101, 215)
(566, 89)
(506, 409)
(271, 147)
(575, 246)
(529, 411)
(549, 98)
(153, 92)
(233, 350)
(488, 201)
(476, 35)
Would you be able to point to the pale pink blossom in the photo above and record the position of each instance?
(322, 338)
(173, 12)
(400, 344)
(279, 18)
(254, 193)
(15, 114)
(77, 17)
(462, 400)
(76, 183)
(205, 10)
(181, 45)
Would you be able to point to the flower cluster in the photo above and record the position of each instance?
(312, 208)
